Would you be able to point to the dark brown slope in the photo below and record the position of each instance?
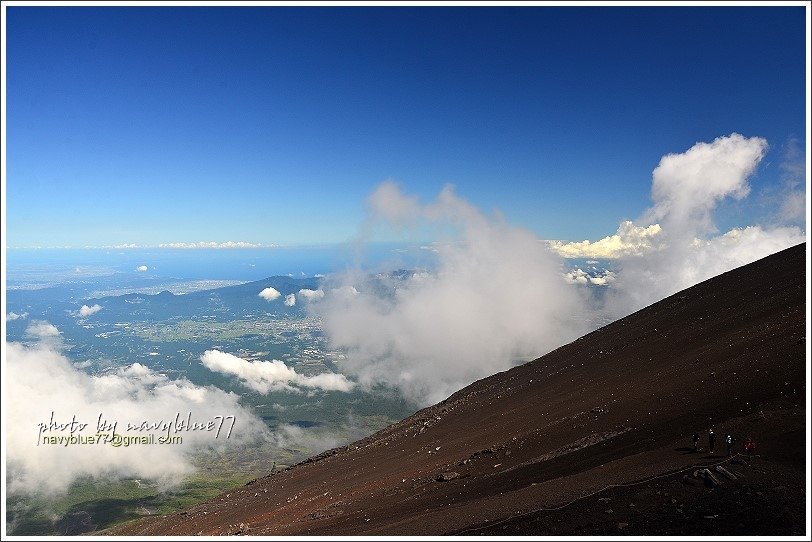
(616, 406)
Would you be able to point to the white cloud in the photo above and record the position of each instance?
(629, 240)
(686, 189)
(39, 329)
(388, 203)
(268, 376)
(793, 206)
(86, 311)
(41, 380)
(142, 268)
(579, 276)
(496, 297)
(15, 316)
(290, 300)
(793, 193)
(213, 244)
(269, 293)
(311, 295)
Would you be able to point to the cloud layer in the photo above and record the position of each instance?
(496, 297)
(269, 376)
(211, 244)
(41, 380)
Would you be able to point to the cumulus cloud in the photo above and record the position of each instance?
(142, 268)
(686, 189)
(43, 386)
(86, 311)
(630, 240)
(290, 300)
(579, 276)
(40, 329)
(496, 297)
(15, 316)
(311, 295)
(268, 376)
(269, 293)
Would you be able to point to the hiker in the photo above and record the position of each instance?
(696, 442)
(750, 448)
(711, 440)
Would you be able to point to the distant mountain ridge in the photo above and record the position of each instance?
(237, 300)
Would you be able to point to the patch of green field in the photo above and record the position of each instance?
(105, 503)
(195, 330)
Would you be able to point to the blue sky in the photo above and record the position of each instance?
(271, 125)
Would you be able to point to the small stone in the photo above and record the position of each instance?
(622, 525)
(447, 476)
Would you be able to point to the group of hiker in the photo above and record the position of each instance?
(749, 444)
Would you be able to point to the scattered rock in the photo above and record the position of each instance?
(622, 525)
(447, 476)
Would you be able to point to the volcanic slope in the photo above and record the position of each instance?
(592, 438)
